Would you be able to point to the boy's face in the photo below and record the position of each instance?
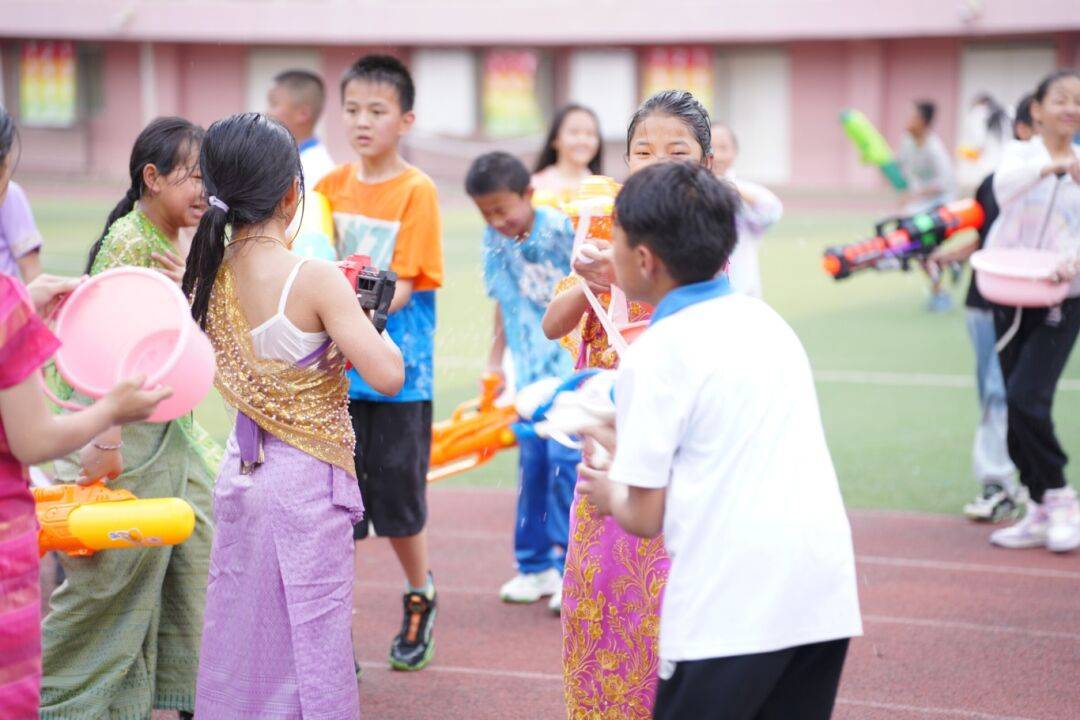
(507, 212)
(1023, 131)
(631, 266)
(374, 122)
(282, 106)
(915, 123)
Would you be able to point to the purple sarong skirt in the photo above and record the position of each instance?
(277, 641)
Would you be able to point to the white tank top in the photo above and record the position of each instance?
(278, 338)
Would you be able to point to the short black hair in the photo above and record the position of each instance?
(1023, 110)
(496, 172)
(684, 214)
(926, 109)
(304, 85)
(383, 69)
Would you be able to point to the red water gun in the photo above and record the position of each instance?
(899, 240)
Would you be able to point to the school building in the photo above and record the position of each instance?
(83, 76)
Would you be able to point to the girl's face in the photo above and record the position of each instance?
(578, 139)
(1059, 111)
(660, 138)
(180, 193)
(723, 149)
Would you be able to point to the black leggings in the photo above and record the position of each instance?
(1032, 364)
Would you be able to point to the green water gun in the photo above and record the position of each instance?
(873, 148)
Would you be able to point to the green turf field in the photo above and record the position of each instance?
(900, 439)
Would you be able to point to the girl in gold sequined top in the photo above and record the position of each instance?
(276, 640)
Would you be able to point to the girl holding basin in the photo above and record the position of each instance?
(122, 635)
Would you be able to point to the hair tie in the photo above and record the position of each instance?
(218, 203)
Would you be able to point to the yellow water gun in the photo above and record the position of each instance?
(80, 520)
(475, 432)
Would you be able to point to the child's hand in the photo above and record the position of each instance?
(172, 265)
(595, 485)
(600, 437)
(1067, 271)
(596, 266)
(128, 402)
(98, 464)
(47, 291)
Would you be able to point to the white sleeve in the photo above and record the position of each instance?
(651, 408)
(762, 207)
(1019, 170)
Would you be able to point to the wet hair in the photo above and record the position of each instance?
(496, 172)
(248, 161)
(997, 118)
(9, 134)
(678, 104)
(549, 156)
(926, 109)
(383, 69)
(1049, 80)
(305, 86)
(684, 214)
(1023, 111)
(165, 143)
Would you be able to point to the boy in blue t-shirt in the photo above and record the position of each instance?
(526, 252)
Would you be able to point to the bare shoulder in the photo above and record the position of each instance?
(321, 277)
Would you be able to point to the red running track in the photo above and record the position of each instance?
(955, 629)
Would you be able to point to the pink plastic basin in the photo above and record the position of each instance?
(1019, 277)
(134, 321)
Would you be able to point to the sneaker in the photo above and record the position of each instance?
(993, 504)
(414, 646)
(1063, 510)
(530, 587)
(1030, 532)
(555, 604)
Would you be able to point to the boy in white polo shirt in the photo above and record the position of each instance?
(718, 442)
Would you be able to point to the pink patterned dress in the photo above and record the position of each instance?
(612, 586)
(25, 345)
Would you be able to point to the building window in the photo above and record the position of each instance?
(446, 82)
(606, 82)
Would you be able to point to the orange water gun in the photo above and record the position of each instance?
(80, 520)
(475, 432)
(899, 240)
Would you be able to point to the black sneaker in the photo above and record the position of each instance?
(414, 646)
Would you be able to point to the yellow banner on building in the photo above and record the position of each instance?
(679, 68)
(510, 105)
(47, 84)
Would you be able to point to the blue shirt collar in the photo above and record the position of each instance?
(683, 297)
(308, 144)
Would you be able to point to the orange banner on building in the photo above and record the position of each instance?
(510, 105)
(679, 68)
(47, 84)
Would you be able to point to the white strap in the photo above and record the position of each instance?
(615, 338)
(288, 286)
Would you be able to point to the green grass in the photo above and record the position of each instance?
(894, 447)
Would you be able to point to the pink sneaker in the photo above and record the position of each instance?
(1030, 532)
(1063, 510)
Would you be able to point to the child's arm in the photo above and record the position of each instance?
(402, 294)
(30, 265)
(375, 357)
(498, 345)
(35, 435)
(564, 313)
(639, 511)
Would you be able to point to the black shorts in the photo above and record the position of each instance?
(393, 448)
(798, 682)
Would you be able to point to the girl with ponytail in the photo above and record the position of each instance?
(122, 636)
(286, 497)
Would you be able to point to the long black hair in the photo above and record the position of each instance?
(9, 134)
(165, 143)
(997, 117)
(248, 161)
(549, 156)
(681, 105)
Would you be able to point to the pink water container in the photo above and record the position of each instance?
(133, 321)
(1019, 277)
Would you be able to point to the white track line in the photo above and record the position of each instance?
(947, 566)
(554, 678)
(898, 379)
(973, 627)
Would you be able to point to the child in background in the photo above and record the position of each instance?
(1000, 495)
(1037, 187)
(760, 210)
(30, 434)
(20, 241)
(573, 150)
(526, 252)
(277, 639)
(389, 210)
(718, 441)
(296, 100)
(614, 581)
(122, 637)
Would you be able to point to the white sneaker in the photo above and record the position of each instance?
(1030, 532)
(995, 503)
(1063, 510)
(555, 603)
(530, 587)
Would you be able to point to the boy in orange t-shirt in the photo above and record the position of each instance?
(387, 209)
